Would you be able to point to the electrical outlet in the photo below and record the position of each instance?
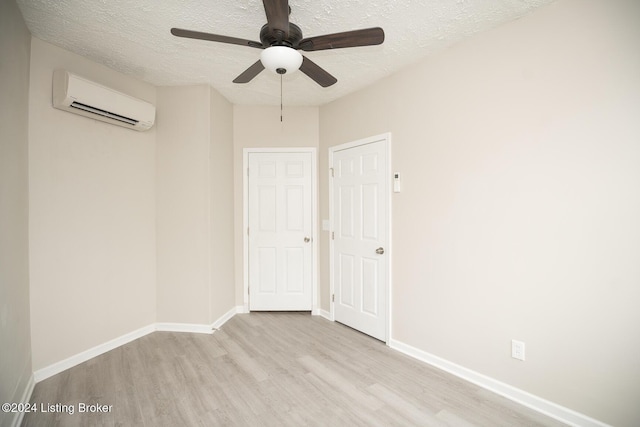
(517, 350)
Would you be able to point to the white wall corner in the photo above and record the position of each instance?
(522, 397)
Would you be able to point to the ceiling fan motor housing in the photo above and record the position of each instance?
(276, 38)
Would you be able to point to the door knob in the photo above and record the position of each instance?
(307, 239)
(380, 251)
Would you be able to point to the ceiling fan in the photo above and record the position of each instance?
(281, 40)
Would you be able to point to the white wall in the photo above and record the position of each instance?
(520, 156)
(260, 127)
(15, 354)
(92, 216)
(194, 175)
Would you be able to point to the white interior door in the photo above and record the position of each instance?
(360, 195)
(280, 231)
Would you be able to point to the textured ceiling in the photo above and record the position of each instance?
(132, 36)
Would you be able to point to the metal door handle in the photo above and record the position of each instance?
(307, 239)
(380, 251)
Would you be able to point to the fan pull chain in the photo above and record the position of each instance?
(280, 98)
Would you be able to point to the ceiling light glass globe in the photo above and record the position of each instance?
(281, 59)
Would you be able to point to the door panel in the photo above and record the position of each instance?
(294, 196)
(280, 218)
(294, 271)
(360, 196)
(267, 271)
(370, 286)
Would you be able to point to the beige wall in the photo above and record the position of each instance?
(101, 264)
(92, 216)
(15, 352)
(183, 231)
(520, 157)
(88, 223)
(260, 127)
(518, 217)
(222, 210)
(194, 176)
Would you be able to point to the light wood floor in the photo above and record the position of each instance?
(270, 369)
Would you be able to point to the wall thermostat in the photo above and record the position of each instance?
(396, 182)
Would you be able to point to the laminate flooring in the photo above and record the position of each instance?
(268, 369)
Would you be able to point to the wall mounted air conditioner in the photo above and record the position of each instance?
(81, 96)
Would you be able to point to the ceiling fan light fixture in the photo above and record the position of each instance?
(281, 59)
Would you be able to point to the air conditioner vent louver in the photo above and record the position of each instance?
(80, 96)
(104, 113)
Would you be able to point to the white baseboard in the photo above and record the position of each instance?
(199, 328)
(326, 314)
(522, 397)
(63, 365)
(225, 317)
(26, 397)
(194, 328)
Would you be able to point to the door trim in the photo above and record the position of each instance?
(386, 137)
(314, 219)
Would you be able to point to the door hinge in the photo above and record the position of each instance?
(333, 235)
(247, 171)
(333, 297)
(247, 231)
(331, 169)
(248, 291)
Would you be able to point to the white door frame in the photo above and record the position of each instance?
(386, 137)
(314, 219)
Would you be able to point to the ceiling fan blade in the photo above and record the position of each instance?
(316, 73)
(277, 17)
(249, 73)
(365, 37)
(214, 38)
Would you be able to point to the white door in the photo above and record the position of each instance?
(360, 195)
(280, 231)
